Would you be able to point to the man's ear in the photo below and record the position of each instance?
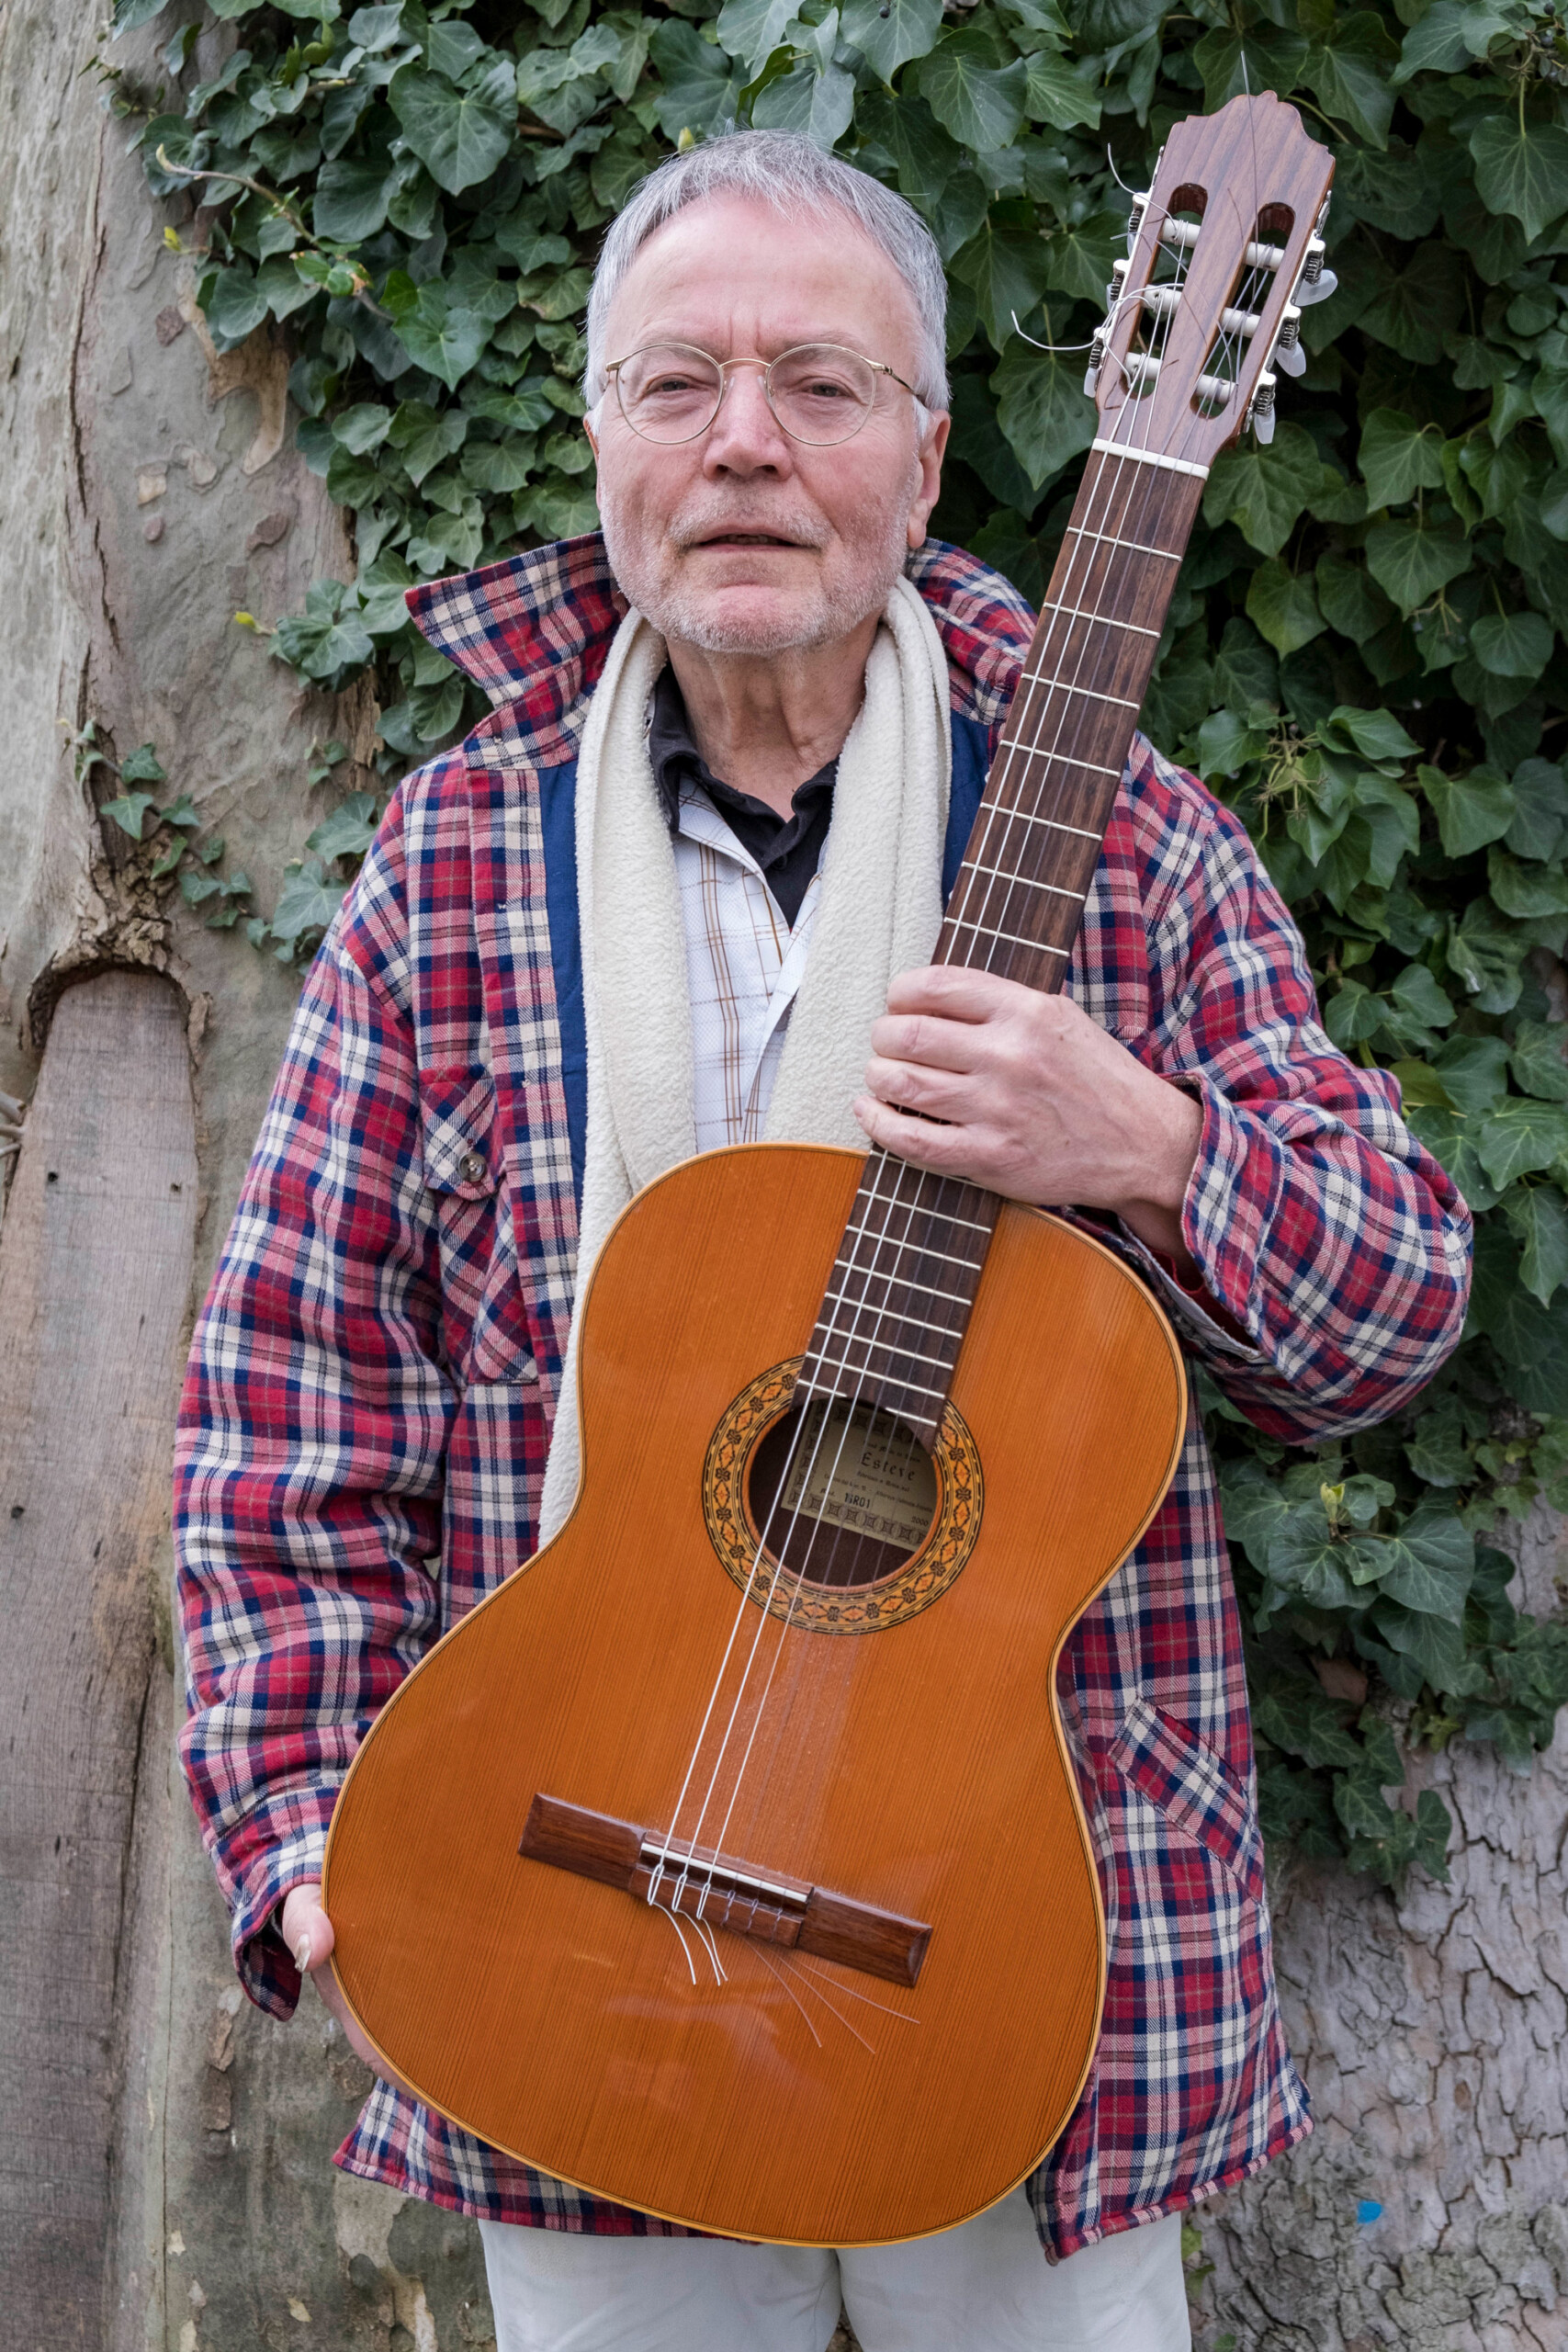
(590, 430)
(929, 487)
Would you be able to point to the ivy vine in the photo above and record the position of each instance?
(1361, 657)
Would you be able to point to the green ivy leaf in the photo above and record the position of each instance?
(886, 40)
(1412, 559)
(129, 811)
(460, 135)
(1471, 809)
(1527, 892)
(1007, 267)
(1512, 645)
(235, 305)
(1061, 92)
(1399, 457)
(701, 88)
(1537, 1059)
(980, 102)
(306, 902)
(1042, 409)
(1263, 490)
(1348, 75)
(1350, 599)
(1474, 1072)
(142, 766)
(1541, 810)
(1485, 953)
(1521, 1136)
(1538, 1215)
(1415, 312)
(1235, 63)
(352, 200)
(1522, 167)
(348, 832)
(923, 155)
(1428, 1564)
(1283, 605)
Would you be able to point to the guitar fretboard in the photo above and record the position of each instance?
(897, 1303)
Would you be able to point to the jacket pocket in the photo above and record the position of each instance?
(1189, 1783)
(484, 1322)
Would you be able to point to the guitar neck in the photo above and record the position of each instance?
(1016, 905)
(896, 1312)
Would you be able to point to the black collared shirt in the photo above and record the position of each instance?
(787, 849)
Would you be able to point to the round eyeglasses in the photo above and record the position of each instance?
(820, 394)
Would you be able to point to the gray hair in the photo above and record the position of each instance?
(784, 169)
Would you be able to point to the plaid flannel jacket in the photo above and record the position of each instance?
(365, 1424)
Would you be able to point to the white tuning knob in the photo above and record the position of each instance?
(1316, 283)
(1288, 353)
(1260, 415)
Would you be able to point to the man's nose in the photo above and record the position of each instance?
(745, 437)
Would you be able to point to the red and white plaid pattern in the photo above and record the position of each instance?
(368, 1408)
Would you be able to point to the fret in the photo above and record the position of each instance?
(1022, 817)
(943, 1330)
(1060, 686)
(1023, 881)
(915, 1208)
(885, 1241)
(900, 1282)
(1134, 547)
(1041, 946)
(1062, 759)
(1075, 613)
(812, 1389)
(891, 1348)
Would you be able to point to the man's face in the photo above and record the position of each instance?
(743, 540)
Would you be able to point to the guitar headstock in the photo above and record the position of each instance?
(1225, 249)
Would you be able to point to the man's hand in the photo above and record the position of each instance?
(308, 1933)
(1038, 1103)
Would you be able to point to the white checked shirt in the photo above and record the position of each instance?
(744, 967)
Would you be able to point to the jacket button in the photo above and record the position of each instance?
(473, 1167)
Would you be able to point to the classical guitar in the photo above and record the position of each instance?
(730, 1862)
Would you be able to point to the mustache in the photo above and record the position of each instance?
(705, 521)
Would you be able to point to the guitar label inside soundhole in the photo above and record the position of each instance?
(857, 1467)
(846, 1578)
(843, 1492)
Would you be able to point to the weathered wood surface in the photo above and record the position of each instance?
(94, 1278)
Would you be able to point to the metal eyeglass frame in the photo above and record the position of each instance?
(878, 367)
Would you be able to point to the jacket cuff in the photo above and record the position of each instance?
(1230, 1204)
(1196, 1315)
(263, 1961)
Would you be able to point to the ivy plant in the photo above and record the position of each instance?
(1361, 657)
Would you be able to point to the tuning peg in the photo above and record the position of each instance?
(1096, 356)
(1316, 283)
(1118, 285)
(1135, 218)
(1260, 415)
(1288, 353)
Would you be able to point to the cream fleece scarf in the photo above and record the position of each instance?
(879, 914)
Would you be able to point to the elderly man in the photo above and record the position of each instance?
(373, 1383)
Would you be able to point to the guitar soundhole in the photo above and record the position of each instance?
(844, 1493)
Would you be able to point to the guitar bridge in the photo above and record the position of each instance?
(724, 1892)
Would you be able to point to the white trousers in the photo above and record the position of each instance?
(985, 2287)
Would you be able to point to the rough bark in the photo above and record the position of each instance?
(1430, 2028)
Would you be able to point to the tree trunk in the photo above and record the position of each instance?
(1429, 2210)
(167, 2174)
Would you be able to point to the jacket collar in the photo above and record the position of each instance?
(534, 632)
